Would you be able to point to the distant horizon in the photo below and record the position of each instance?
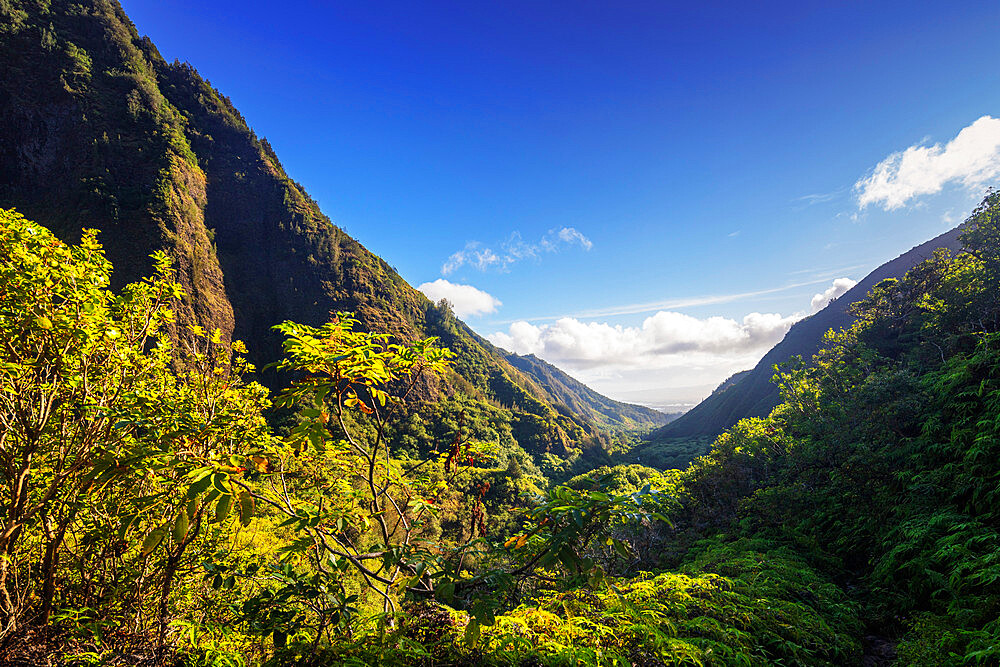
(645, 195)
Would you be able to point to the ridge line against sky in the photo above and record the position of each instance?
(598, 351)
(682, 148)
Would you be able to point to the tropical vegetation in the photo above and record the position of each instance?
(159, 502)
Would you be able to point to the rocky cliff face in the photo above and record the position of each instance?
(88, 140)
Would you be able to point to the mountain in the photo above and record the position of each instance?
(751, 393)
(101, 132)
(730, 381)
(582, 400)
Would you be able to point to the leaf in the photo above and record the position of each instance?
(43, 322)
(246, 508)
(621, 548)
(472, 632)
(152, 541)
(222, 507)
(199, 485)
(219, 482)
(261, 463)
(181, 525)
(127, 522)
(445, 592)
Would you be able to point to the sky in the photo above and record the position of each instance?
(646, 194)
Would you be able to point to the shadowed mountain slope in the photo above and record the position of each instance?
(582, 400)
(753, 394)
(100, 131)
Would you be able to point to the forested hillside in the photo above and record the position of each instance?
(152, 513)
(753, 394)
(101, 132)
(582, 400)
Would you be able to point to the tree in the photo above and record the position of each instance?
(333, 479)
(72, 356)
(108, 429)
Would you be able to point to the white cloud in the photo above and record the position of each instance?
(839, 286)
(513, 250)
(473, 255)
(658, 342)
(972, 158)
(670, 354)
(570, 235)
(466, 300)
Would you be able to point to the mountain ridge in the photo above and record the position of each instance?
(581, 399)
(102, 132)
(752, 394)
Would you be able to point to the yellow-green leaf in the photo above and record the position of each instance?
(219, 482)
(222, 507)
(246, 507)
(152, 541)
(181, 526)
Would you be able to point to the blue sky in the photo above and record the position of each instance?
(615, 163)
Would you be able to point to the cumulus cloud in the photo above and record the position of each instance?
(670, 354)
(839, 286)
(465, 300)
(972, 158)
(477, 256)
(654, 344)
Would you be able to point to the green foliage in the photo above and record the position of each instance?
(675, 453)
(753, 617)
(881, 466)
(113, 437)
(144, 489)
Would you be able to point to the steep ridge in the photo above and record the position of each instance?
(100, 131)
(753, 394)
(88, 140)
(582, 400)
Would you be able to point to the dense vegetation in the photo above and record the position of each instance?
(152, 509)
(100, 131)
(400, 493)
(751, 393)
(580, 399)
(155, 500)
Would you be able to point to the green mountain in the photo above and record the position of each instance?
(582, 400)
(751, 393)
(101, 132)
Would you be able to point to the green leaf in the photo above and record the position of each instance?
(181, 525)
(246, 508)
(445, 592)
(218, 481)
(152, 541)
(199, 485)
(222, 507)
(127, 522)
(472, 632)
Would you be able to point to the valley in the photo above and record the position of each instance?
(234, 436)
